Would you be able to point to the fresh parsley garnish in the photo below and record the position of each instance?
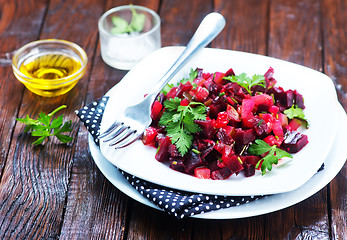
(246, 82)
(45, 126)
(179, 122)
(296, 112)
(121, 25)
(273, 154)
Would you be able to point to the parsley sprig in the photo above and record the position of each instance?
(273, 154)
(179, 122)
(246, 82)
(45, 126)
(296, 112)
(122, 26)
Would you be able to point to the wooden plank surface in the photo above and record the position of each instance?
(56, 191)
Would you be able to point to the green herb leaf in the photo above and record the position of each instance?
(179, 122)
(246, 82)
(45, 126)
(296, 112)
(121, 26)
(273, 154)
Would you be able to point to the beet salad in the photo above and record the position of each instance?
(213, 125)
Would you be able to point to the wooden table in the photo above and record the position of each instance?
(56, 191)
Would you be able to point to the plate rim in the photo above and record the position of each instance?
(269, 190)
(315, 184)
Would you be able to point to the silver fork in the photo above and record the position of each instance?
(135, 119)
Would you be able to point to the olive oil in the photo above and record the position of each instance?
(51, 73)
(51, 66)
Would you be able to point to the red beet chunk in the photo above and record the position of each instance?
(205, 147)
(224, 137)
(299, 100)
(249, 170)
(193, 161)
(294, 142)
(182, 88)
(208, 131)
(176, 163)
(250, 160)
(162, 154)
(233, 163)
(221, 174)
(230, 72)
(243, 137)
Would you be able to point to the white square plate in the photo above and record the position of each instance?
(321, 111)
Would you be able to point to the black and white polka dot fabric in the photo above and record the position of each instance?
(184, 204)
(177, 203)
(91, 116)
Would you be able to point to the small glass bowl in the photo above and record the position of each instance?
(49, 67)
(124, 50)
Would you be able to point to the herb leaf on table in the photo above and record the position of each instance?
(46, 126)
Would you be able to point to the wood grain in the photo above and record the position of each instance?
(56, 191)
(335, 66)
(295, 35)
(38, 176)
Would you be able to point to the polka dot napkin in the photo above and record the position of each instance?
(180, 204)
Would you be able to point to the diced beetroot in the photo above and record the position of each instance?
(249, 169)
(277, 129)
(233, 114)
(173, 151)
(283, 119)
(263, 101)
(274, 110)
(230, 72)
(149, 136)
(250, 159)
(205, 147)
(176, 163)
(221, 164)
(182, 88)
(268, 118)
(272, 140)
(294, 142)
(193, 161)
(202, 172)
(162, 154)
(172, 92)
(222, 136)
(244, 137)
(233, 163)
(207, 127)
(290, 98)
(156, 111)
(222, 120)
(218, 77)
(299, 100)
(221, 174)
(230, 130)
(260, 127)
(184, 102)
(246, 108)
(219, 146)
(207, 82)
(228, 151)
(270, 81)
(294, 124)
(201, 94)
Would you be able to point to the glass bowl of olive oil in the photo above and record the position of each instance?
(49, 67)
